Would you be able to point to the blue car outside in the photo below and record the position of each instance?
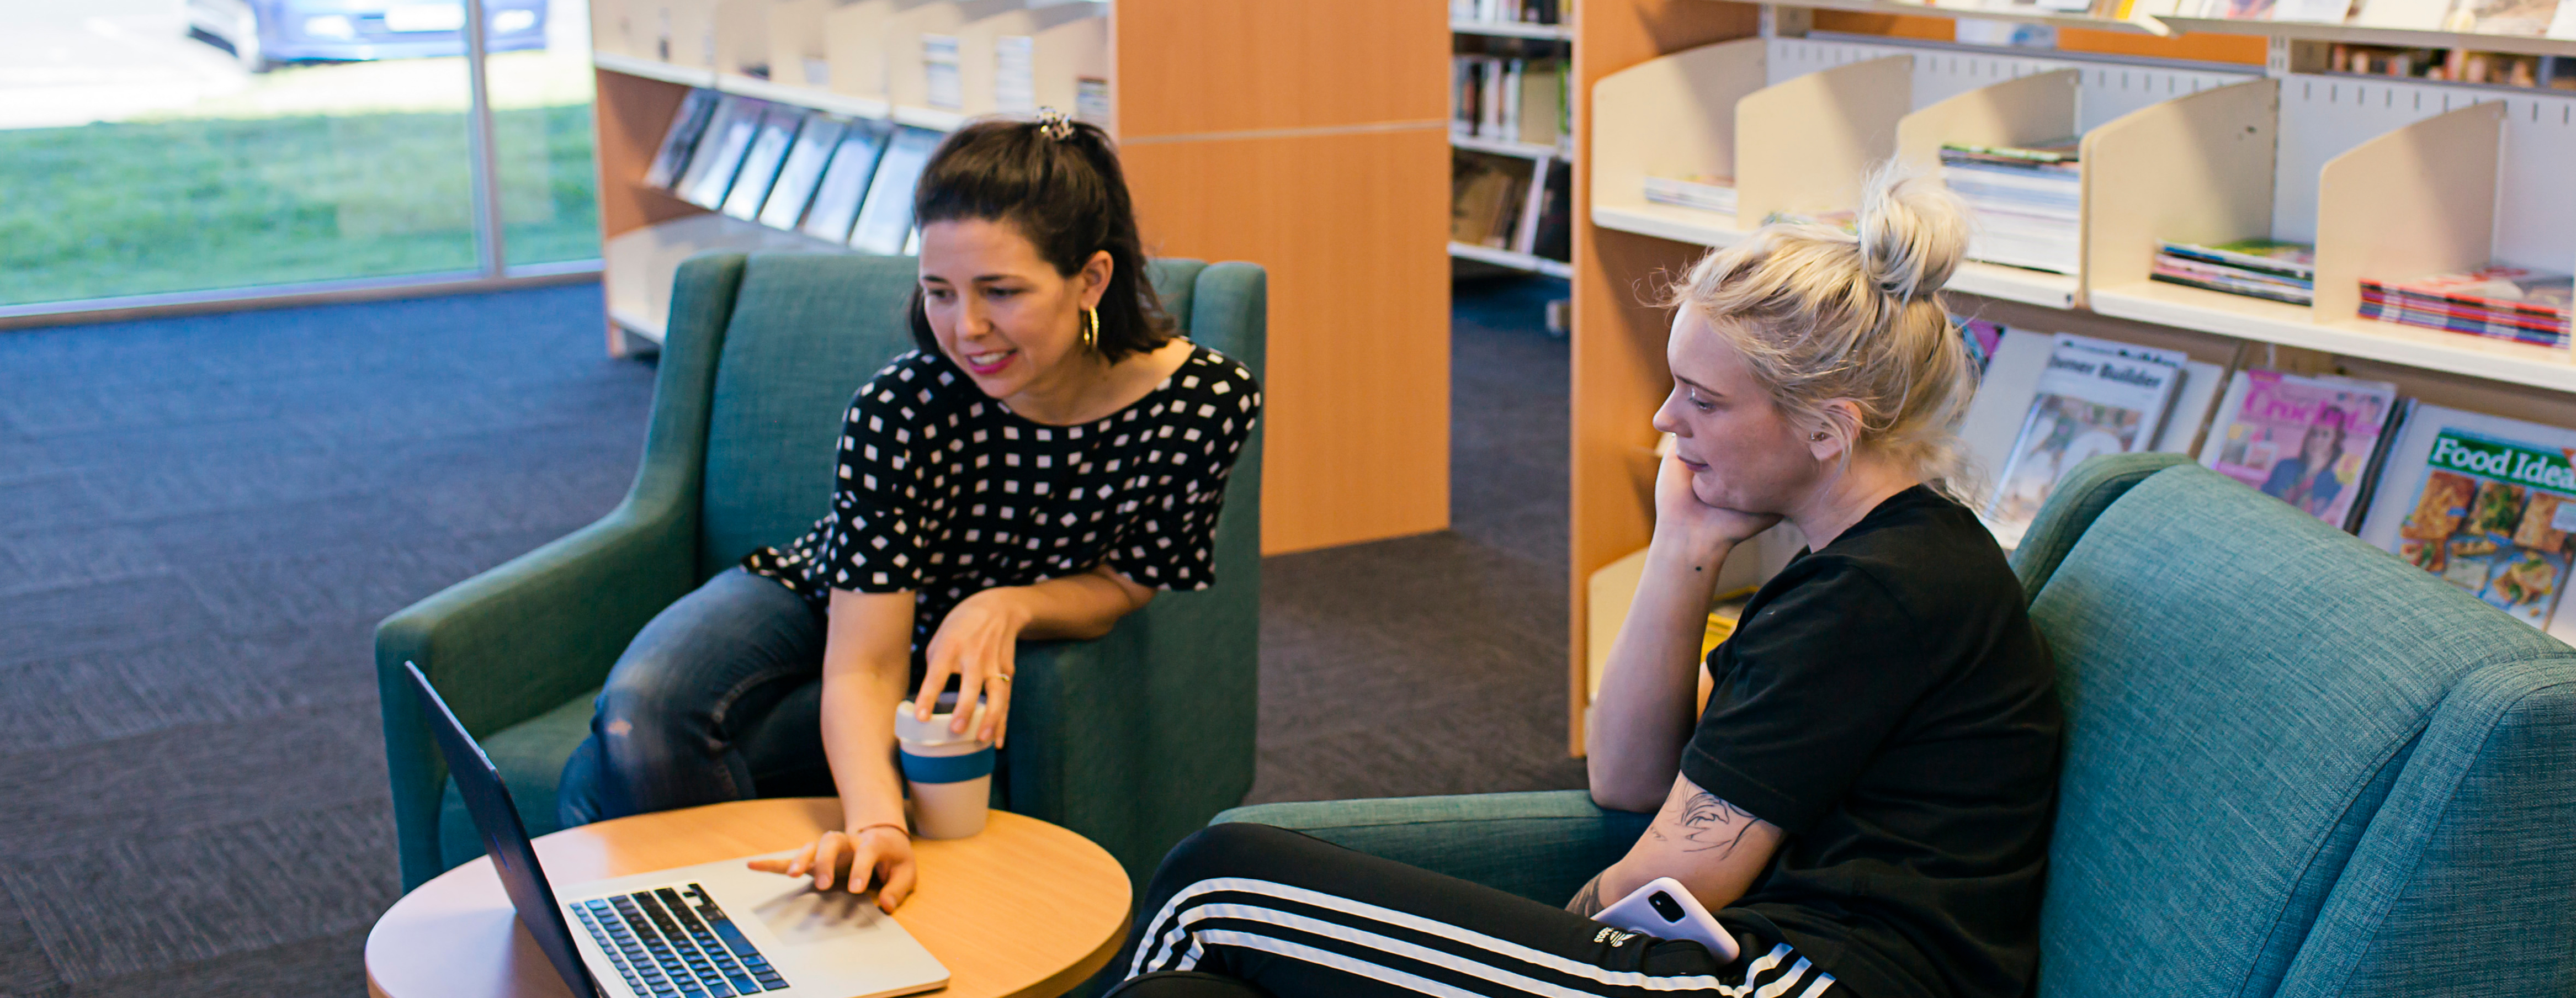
(263, 33)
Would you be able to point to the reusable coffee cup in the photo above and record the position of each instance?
(950, 772)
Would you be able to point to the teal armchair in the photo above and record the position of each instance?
(2294, 766)
(1132, 740)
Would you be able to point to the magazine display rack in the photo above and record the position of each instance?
(1249, 133)
(2388, 179)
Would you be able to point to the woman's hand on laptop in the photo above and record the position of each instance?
(878, 854)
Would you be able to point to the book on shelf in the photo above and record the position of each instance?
(885, 220)
(1487, 194)
(802, 170)
(2309, 442)
(2485, 503)
(2496, 302)
(1508, 100)
(760, 165)
(1692, 190)
(720, 151)
(2259, 268)
(1553, 238)
(2523, 18)
(2025, 201)
(844, 185)
(2088, 402)
(2016, 359)
(681, 140)
(1507, 11)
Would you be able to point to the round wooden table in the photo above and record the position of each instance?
(1024, 909)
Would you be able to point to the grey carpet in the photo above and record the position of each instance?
(201, 520)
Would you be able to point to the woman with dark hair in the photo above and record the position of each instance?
(1047, 458)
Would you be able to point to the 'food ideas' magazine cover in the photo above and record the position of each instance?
(2486, 503)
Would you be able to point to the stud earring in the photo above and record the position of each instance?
(1819, 437)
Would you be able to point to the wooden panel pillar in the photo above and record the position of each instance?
(1618, 340)
(1312, 138)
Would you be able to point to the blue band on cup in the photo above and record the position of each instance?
(947, 768)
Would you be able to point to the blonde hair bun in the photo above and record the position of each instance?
(1913, 232)
(1822, 317)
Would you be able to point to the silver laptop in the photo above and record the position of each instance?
(717, 930)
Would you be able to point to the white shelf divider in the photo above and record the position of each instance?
(2396, 37)
(797, 96)
(1505, 147)
(1515, 261)
(1513, 29)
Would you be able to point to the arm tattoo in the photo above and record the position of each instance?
(1587, 902)
(1706, 823)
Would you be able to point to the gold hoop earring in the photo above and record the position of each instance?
(1091, 329)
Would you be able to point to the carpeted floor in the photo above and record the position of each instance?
(202, 519)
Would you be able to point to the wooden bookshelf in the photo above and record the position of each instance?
(1267, 133)
(2386, 177)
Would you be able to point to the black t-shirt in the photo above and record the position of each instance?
(946, 492)
(1886, 702)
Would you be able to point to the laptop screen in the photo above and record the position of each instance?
(504, 838)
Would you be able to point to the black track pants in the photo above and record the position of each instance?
(1240, 910)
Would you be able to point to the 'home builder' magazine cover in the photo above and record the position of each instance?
(2486, 503)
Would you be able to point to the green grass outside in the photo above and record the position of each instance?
(134, 208)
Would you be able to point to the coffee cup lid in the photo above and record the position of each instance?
(935, 731)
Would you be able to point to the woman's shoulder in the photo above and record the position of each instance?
(910, 386)
(1216, 383)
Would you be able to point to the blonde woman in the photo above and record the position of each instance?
(1865, 802)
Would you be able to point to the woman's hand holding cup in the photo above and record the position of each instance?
(978, 643)
(879, 855)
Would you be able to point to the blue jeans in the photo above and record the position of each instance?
(718, 698)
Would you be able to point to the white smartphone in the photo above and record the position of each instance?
(1665, 910)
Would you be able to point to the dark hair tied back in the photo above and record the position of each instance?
(1058, 182)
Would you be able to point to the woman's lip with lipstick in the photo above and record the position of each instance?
(987, 362)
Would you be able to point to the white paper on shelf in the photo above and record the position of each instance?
(2312, 11)
(944, 86)
(2414, 15)
(1015, 73)
(2563, 24)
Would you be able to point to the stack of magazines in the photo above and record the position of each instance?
(2259, 268)
(2025, 199)
(1706, 193)
(2505, 303)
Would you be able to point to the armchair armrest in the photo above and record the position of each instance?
(519, 640)
(1542, 846)
(1134, 740)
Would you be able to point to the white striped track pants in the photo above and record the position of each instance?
(1241, 910)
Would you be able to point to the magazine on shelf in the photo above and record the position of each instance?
(885, 220)
(2306, 441)
(2260, 268)
(760, 165)
(845, 182)
(2485, 503)
(802, 171)
(720, 151)
(2024, 201)
(2500, 302)
(1694, 190)
(2527, 18)
(686, 125)
(2088, 401)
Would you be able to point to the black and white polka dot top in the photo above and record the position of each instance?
(946, 492)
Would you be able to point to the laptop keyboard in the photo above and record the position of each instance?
(675, 943)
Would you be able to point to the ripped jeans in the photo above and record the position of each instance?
(718, 698)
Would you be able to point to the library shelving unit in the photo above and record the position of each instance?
(1544, 159)
(1267, 133)
(2387, 177)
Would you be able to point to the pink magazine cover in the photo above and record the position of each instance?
(2305, 441)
